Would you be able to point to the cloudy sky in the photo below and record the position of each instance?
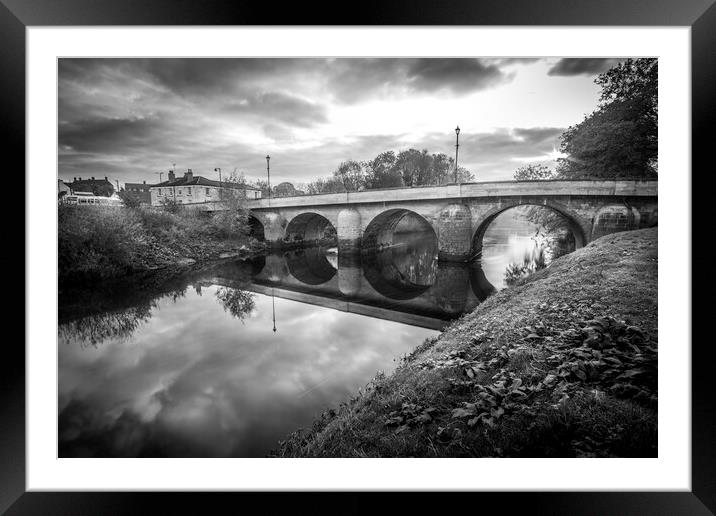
(129, 119)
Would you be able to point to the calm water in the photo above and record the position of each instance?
(192, 366)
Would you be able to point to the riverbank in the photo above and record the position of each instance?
(563, 364)
(98, 243)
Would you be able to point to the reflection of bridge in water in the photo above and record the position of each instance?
(430, 295)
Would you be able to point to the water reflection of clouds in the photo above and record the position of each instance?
(196, 381)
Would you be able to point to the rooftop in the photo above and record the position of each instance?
(202, 181)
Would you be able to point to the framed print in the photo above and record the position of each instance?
(420, 252)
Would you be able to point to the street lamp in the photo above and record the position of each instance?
(457, 145)
(221, 190)
(268, 174)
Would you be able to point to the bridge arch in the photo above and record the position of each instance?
(395, 270)
(310, 266)
(256, 228)
(310, 227)
(381, 231)
(572, 220)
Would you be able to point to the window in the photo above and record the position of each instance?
(188, 191)
(207, 192)
(179, 192)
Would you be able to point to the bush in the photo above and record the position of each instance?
(100, 240)
(129, 200)
(171, 205)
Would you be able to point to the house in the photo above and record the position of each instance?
(62, 189)
(139, 191)
(197, 190)
(99, 187)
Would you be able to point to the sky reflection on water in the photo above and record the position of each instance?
(195, 381)
(195, 369)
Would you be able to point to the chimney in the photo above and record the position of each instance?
(144, 182)
(92, 178)
(80, 179)
(189, 175)
(105, 178)
(171, 175)
(74, 179)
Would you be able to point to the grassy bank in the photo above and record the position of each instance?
(99, 242)
(562, 364)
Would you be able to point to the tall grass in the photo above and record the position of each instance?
(96, 242)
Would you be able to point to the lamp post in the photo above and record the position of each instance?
(268, 174)
(221, 190)
(457, 145)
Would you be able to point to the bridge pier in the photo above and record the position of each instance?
(454, 232)
(350, 274)
(349, 231)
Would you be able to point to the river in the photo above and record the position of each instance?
(226, 361)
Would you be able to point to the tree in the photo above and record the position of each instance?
(352, 175)
(534, 172)
(325, 185)
(237, 302)
(463, 174)
(232, 220)
(619, 139)
(129, 200)
(381, 171)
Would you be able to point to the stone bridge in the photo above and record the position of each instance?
(458, 214)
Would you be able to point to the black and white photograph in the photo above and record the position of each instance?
(357, 257)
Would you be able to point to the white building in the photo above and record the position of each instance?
(197, 191)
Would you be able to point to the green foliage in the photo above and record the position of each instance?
(96, 242)
(619, 139)
(531, 263)
(100, 239)
(129, 200)
(238, 303)
(409, 168)
(534, 172)
(170, 205)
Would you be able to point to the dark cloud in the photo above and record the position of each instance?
(582, 66)
(352, 80)
(101, 135)
(457, 75)
(282, 107)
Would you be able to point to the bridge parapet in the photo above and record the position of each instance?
(468, 190)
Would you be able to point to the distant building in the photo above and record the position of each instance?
(98, 187)
(139, 191)
(62, 189)
(87, 198)
(197, 190)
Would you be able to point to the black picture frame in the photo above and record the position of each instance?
(700, 15)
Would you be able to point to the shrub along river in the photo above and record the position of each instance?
(227, 360)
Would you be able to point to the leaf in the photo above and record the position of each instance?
(423, 418)
(496, 413)
(473, 421)
(470, 373)
(549, 379)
